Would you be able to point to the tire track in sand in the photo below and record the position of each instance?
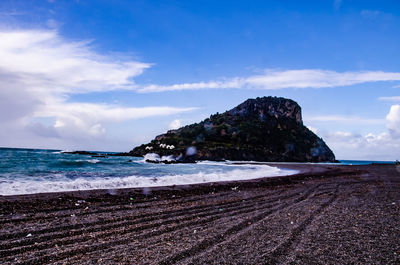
(241, 205)
(230, 232)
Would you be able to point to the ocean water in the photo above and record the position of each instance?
(364, 162)
(27, 171)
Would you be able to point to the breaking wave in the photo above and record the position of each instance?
(62, 183)
(76, 163)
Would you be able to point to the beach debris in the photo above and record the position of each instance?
(77, 204)
(235, 188)
(72, 215)
(194, 231)
(249, 223)
(291, 222)
(220, 209)
(29, 235)
(131, 199)
(81, 201)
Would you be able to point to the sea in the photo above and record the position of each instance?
(28, 171)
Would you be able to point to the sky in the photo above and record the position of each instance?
(110, 75)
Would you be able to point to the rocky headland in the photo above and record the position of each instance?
(261, 129)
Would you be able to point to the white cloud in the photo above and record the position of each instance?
(343, 119)
(175, 124)
(370, 146)
(395, 98)
(313, 129)
(43, 61)
(274, 79)
(231, 83)
(84, 119)
(393, 119)
(39, 70)
(343, 135)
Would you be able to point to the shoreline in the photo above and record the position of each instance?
(301, 168)
(239, 171)
(325, 214)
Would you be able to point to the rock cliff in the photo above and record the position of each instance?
(261, 129)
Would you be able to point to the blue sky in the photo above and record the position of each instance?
(108, 75)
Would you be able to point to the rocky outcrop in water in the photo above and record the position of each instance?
(261, 129)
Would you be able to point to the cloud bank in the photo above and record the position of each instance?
(348, 145)
(393, 119)
(42, 60)
(370, 146)
(275, 79)
(39, 71)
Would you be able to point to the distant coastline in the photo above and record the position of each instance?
(341, 161)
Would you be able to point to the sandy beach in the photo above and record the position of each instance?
(326, 214)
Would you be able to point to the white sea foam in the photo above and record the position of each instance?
(244, 172)
(169, 158)
(65, 151)
(152, 157)
(93, 161)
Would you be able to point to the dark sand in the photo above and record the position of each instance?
(324, 215)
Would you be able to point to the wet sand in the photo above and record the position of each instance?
(323, 215)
